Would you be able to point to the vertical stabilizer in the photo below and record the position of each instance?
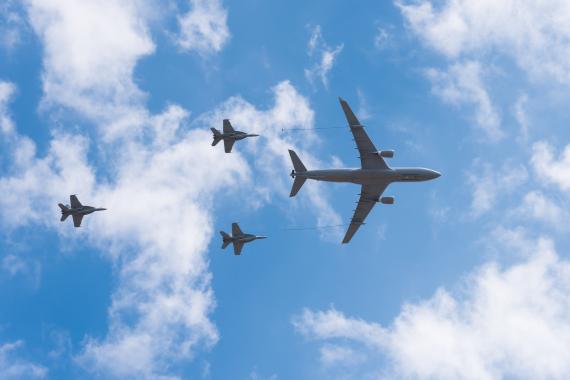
(64, 211)
(297, 164)
(217, 136)
(226, 238)
(298, 168)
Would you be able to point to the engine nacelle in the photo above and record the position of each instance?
(387, 200)
(387, 153)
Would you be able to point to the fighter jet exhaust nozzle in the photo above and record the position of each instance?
(387, 200)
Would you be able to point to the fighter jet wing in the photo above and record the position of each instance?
(236, 231)
(77, 218)
(369, 195)
(74, 201)
(228, 126)
(228, 144)
(237, 248)
(369, 158)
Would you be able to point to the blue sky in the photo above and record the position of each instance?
(464, 277)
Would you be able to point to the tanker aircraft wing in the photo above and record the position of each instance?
(369, 196)
(369, 156)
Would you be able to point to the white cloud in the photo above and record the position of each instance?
(363, 112)
(535, 35)
(323, 57)
(43, 181)
(18, 265)
(550, 169)
(159, 220)
(90, 51)
(333, 324)
(159, 313)
(536, 205)
(156, 231)
(522, 117)
(462, 84)
(6, 93)
(12, 24)
(161, 305)
(488, 182)
(255, 375)
(14, 368)
(505, 323)
(204, 28)
(381, 38)
(338, 355)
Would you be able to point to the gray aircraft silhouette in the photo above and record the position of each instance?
(76, 210)
(229, 135)
(374, 174)
(238, 238)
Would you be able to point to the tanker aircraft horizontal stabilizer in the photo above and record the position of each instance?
(76, 210)
(374, 175)
(238, 238)
(229, 135)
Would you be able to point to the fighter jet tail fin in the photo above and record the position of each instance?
(217, 136)
(64, 211)
(226, 238)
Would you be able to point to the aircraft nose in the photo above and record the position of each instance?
(261, 237)
(436, 174)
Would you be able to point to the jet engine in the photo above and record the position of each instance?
(385, 153)
(387, 200)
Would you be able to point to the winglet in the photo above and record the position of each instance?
(350, 117)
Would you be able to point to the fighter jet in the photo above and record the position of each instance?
(76, 210)
(374, 175)
(230, 136)
(238, 238)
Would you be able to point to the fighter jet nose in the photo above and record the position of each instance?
(436, 174)
(262, 237)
